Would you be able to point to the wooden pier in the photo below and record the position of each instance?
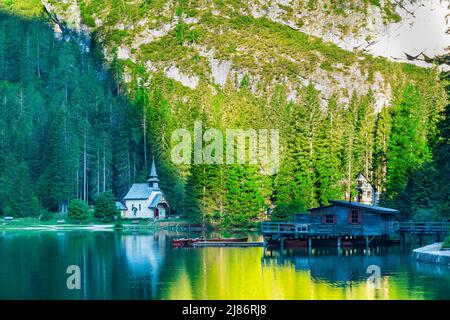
(311, 234)
(347, 223)
(341, 235)
(419, 229)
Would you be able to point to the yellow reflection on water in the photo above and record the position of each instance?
(225, 273)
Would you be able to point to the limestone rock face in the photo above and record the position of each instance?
(420, 27)
(267, 43)
(67, 19)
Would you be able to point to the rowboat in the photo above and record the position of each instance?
(187, 242)
(227, 239)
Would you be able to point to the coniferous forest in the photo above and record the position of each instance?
(67, 131)
(70, 129)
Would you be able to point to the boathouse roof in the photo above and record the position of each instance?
(360, 205)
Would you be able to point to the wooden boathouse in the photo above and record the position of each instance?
(340, 222)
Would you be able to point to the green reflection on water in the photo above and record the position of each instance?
(145, 266)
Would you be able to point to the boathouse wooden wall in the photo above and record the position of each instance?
(369, 222)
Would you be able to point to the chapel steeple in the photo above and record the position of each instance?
(153, 179)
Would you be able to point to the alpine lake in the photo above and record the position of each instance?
(144, 265)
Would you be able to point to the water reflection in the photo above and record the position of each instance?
(342, 267)
(143, 265)
(144, 256)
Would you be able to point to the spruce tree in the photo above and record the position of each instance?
(105, 206)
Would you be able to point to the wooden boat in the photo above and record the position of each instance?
(227, 239)
(187, 242)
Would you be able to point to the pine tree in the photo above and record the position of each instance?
(328, 155)
(381, 141)
(441, 151)
(296, 179)
(105, 206)
(17, 190)
(192, 204)
(407, 148)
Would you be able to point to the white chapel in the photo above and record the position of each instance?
(145, 200)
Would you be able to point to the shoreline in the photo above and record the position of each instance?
(432, 254)
(51, 227)
(33, 224)
(98, 226)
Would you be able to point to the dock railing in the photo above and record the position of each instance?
(293, 228)
(299, 228)
(423, 227)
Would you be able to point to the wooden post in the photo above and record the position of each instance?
(367, 242)
(281, 243)
(339, 242)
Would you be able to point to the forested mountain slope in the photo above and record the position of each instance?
(339, 112)
(66, 131)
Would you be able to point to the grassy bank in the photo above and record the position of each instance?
(446, 244)
(33, 223)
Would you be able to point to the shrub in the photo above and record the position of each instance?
(46, 215)
(105, 206)
(78, 210)
(119, 224)
(8, 211)
(446, 243)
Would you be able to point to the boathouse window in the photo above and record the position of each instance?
(354, 216)
(328, 218)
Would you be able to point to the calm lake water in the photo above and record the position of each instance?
(141, 265)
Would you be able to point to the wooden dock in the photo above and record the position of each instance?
(420, 229)
(423, 227)
(227, 244)
(315, 232)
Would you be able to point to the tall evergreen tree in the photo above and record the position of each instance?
(328, 155)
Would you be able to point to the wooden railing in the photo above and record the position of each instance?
(284, 228)
(297, 228)
(423, 227)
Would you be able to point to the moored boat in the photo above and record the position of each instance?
(227, 239)
(187, 242)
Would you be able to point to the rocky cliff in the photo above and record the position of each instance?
(328, 43)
